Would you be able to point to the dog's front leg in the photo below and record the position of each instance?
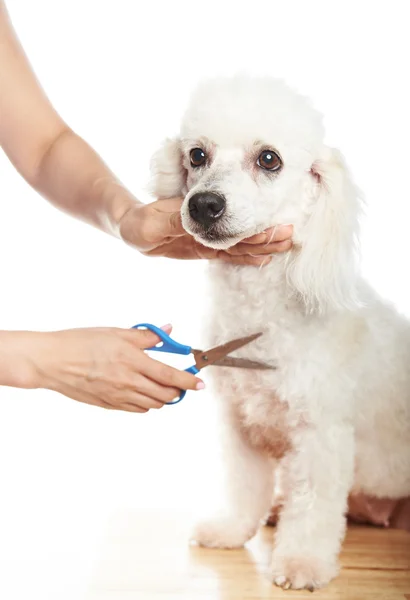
(249, 481)
(318, 475)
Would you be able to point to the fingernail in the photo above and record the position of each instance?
(200, 385)
(166, 327)
(272, 235)
(265, 262)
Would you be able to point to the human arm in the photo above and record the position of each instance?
(71, 175)
(101, 367)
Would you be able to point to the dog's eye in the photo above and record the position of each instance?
(198, 157)
(269, 161)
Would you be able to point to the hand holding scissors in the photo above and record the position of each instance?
(217, 356)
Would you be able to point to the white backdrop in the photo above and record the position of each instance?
(119, 73)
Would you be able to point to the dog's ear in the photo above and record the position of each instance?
(323, 268)
(168, 175)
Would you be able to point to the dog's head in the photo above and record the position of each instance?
(250, 155)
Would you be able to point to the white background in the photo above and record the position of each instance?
(119, 73)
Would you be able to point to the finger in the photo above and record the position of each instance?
(151, 394)
(279, 247)
(260, 249)
(168, 205)
(144, 400)
(245, 259)
(158, 221)
(273, 234)
(204, 252)
(168, 376)
(100, 403)
(130, 407)
(173, 225)
(94, 400)
(145, 338)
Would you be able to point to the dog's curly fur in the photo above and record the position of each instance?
(334, 416)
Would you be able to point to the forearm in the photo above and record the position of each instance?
(74, 178)
(18, 350)
(53, 159)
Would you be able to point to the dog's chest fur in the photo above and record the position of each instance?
(258, 412)
(267, 426)
(246, 301)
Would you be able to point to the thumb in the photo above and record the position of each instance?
(147, 338)
(174, 225)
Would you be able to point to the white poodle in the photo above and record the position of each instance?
(334, 415)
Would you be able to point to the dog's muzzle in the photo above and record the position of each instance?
(206, 208)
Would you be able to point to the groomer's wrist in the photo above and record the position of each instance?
(116, 202)
(19, 352)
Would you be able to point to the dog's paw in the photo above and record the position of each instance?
(302, 572)
(223, 532)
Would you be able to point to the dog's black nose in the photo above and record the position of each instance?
(206, 208)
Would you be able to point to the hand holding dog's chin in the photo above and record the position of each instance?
(156, 229)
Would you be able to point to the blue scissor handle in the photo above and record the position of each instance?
(168, 344)
(192, 370)
(171, 346)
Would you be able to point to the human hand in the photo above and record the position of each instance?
(156, 230)
(108, 368)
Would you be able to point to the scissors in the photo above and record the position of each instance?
(217, 356)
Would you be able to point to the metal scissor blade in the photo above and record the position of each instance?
(203, 359)
(242, 363)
